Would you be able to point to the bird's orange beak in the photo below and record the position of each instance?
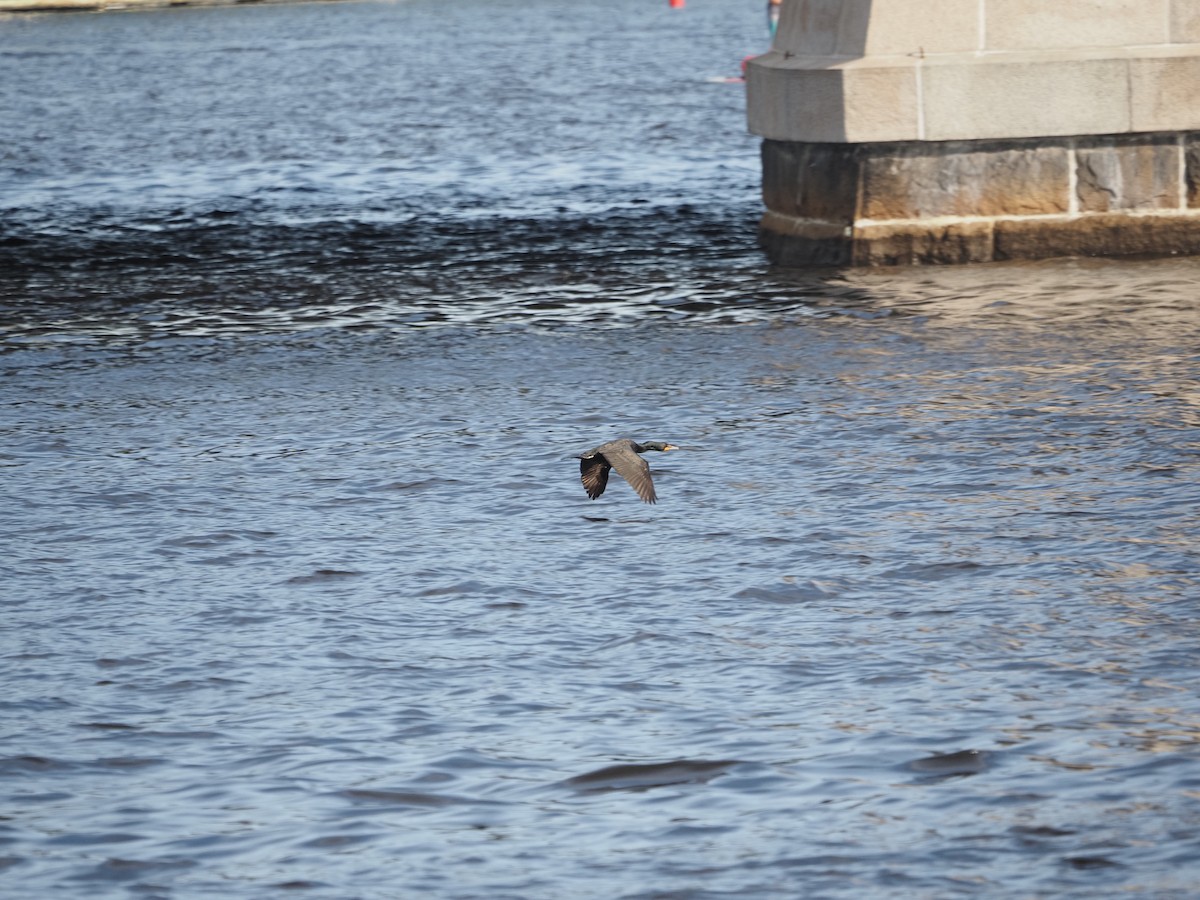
(669, 447)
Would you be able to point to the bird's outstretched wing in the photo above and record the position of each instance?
(633, 469)
(593, 472)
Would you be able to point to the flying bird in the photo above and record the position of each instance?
(622, 455)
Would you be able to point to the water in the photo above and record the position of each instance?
(302, 595)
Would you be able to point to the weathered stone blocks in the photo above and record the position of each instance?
(919, 202)
(811, 181)
(914, 181)
(958, 130)
(1191, 172)
(1128, 173)
(1111, 234)
(905, 244)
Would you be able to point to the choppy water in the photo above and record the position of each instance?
(302, 595)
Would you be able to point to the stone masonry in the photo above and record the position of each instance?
(948, 131)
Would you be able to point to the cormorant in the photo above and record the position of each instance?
(622, 455)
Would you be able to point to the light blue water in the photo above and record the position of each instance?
(302, 594)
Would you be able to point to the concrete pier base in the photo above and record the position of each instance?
(944, 202)
(952, 131)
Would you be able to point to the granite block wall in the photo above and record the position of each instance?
(973, 201)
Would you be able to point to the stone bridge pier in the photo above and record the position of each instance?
(953, 131)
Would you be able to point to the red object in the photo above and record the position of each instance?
(677, 4)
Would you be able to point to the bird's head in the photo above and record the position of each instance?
(658, 445)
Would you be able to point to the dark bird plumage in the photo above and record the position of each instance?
(622, 455)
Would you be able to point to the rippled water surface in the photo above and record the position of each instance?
(304, 311)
